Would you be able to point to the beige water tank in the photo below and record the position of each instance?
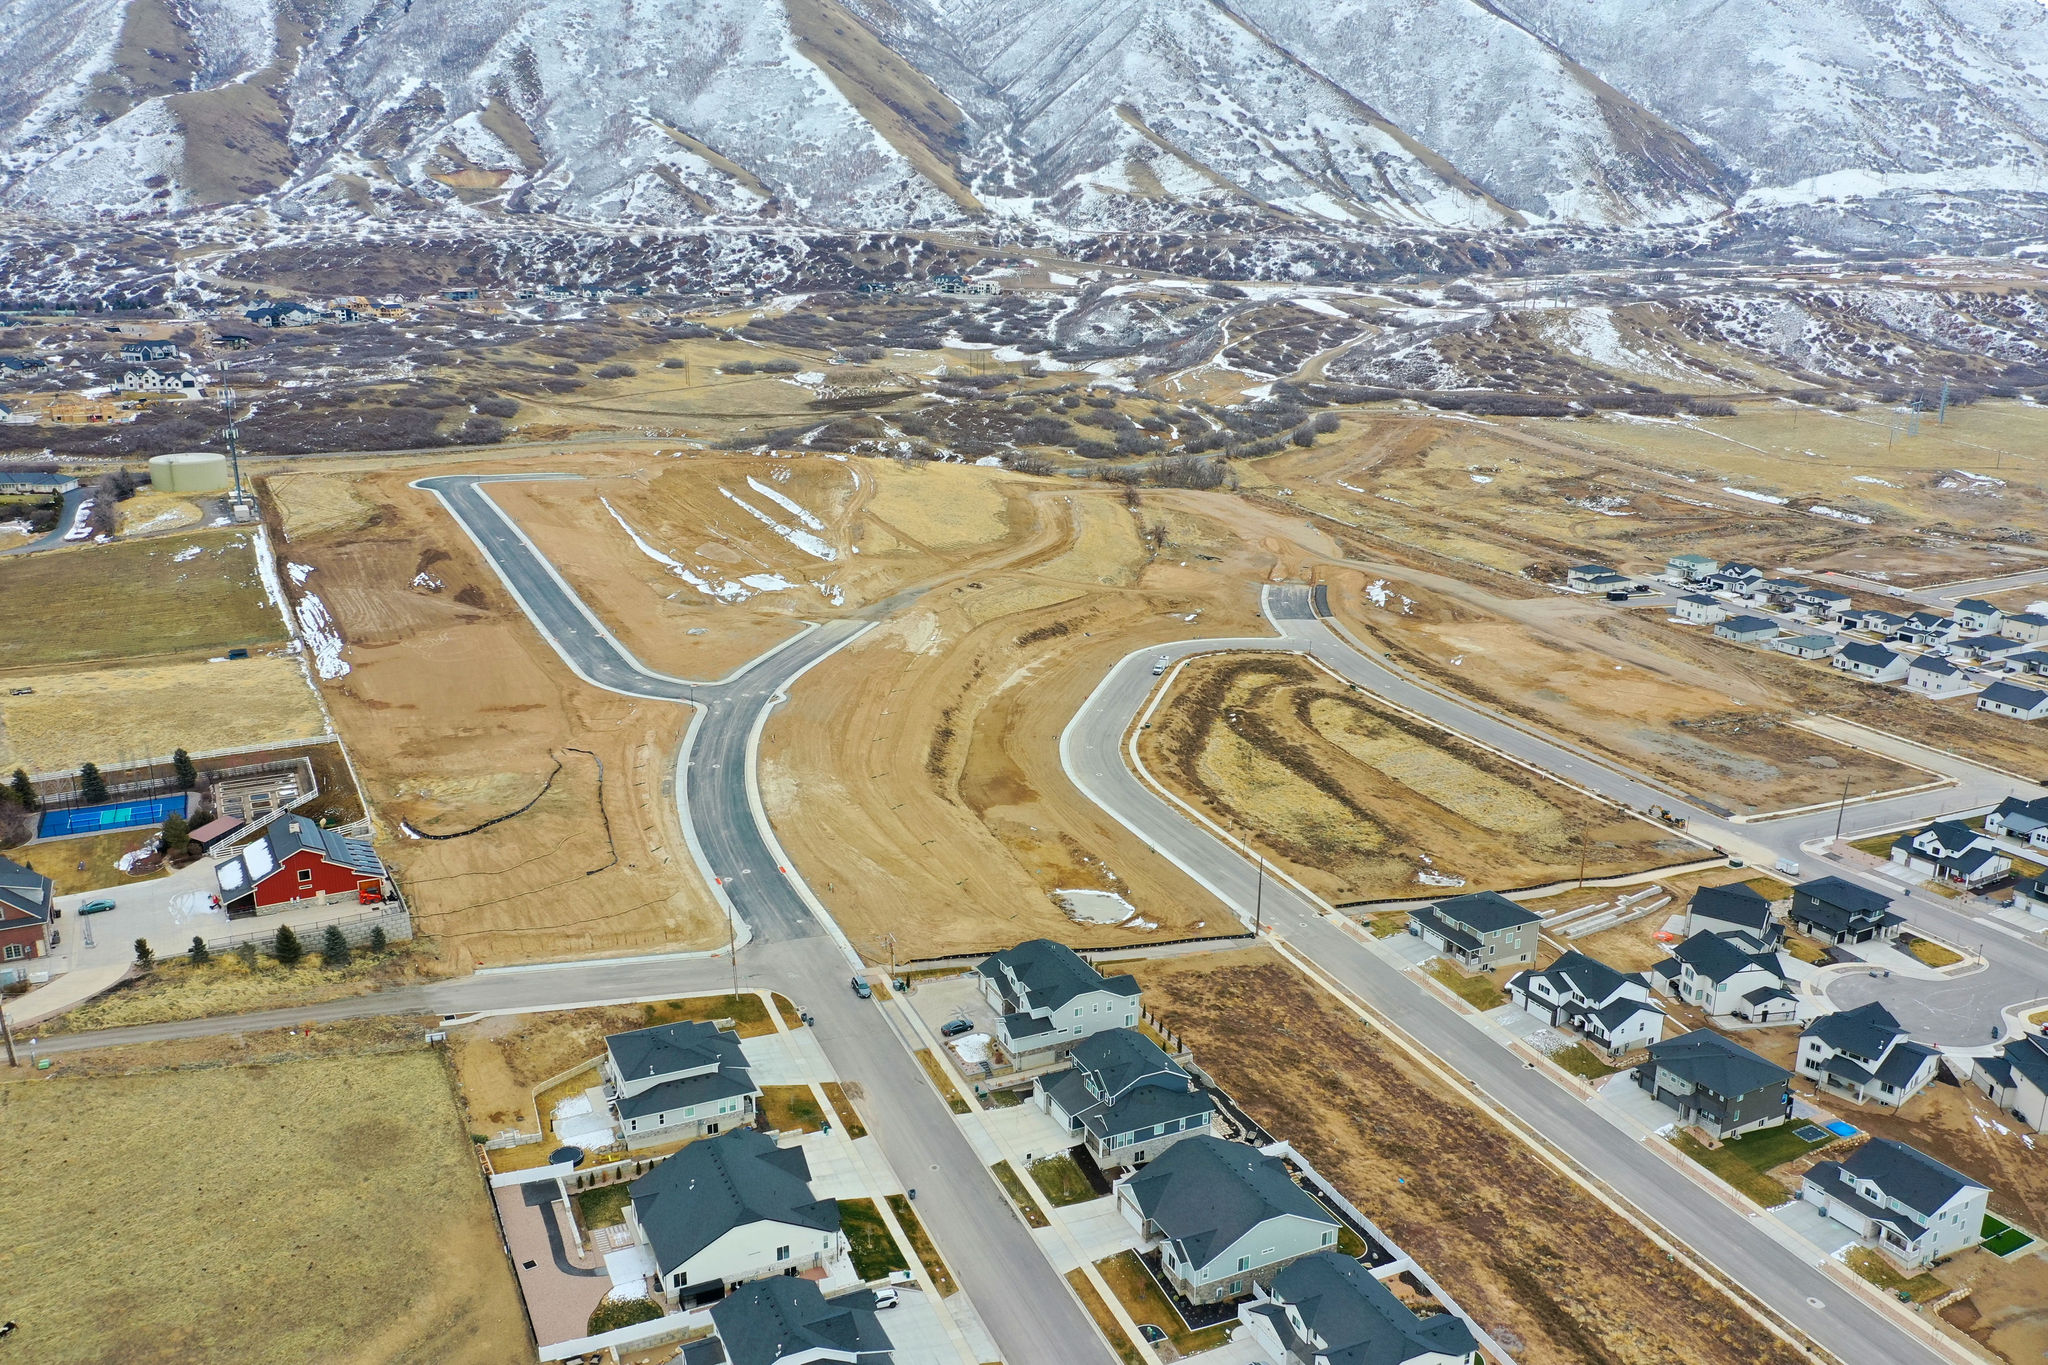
(196, 471)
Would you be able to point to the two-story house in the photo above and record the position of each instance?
(1698, 609)
(1716, 1085)
(2014, 701)
(1590, 577)
(1610, 1009)
(1836, 911)
(1866, 1055)
(1721, 975)
(1047, 999)
(1977, 616)
(677, 1081)
(1927, 629)
(1872, 663)
(730, 1209)
(1985, 649)
(1689, 568)
(1125, 1099)
(1737, 908)
(1953, 852)
(1824, 604)
(26, 902)
(1327, 1309)
(1901, 1201)
(143, 352)
(2029, 626)
(1734, 578)
(789, 1321)
(1933, 676)
(2024, 821)
(2015, 1078)
(1223, 1217)
(1479, 932)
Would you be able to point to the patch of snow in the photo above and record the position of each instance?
(1482, 478)
(1881, 483)
(256, 858)
(1095, 907)
(231, 875)
(299, 573)
(1377, 592)
(1754, 496)
(320, 634)
(423, 579)
(802, 540)
(1838, 514)
(789, 505)
(724, 592)
(986, 462)
(133, 858)
(1429, 878)
(190, 552)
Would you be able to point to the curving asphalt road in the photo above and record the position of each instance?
(1092, 749)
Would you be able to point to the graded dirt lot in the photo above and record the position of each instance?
(77, 715)
(303, 1209)
(1506, 1236)
(134, 599)
(1366, 803)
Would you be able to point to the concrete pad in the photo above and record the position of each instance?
(1628, 1106)
(792, 1058)
(917, 1332)
(1241, 1349)
(836, 1171)
(1023, 1129)
(1813, 1227)
(1095, 1228)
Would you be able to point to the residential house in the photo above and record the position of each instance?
(1125, 1099)
(1479, 931)
(1822, 603)
(1610, 1009)
(1901, 1201)
(1807, 646)
(1933, 676)
(1836, 911)
(294, 860)
(1927, 629)
(1872, 663)
(2031, 896)
(1728, 979)
(1737, 908)
(1747, 630)
(1865, 1054)
(1780, 593)
(1977, 616)
(677, 1081)
(2020, 819)
(1327, 1309)
(26, 909)
(1047, 999)
(2035, 661)
(29, 481)
(1223, 1216)
(2028, 626)
(283, 315)
(1734, 578)
(142, 352)
(234, 341)
(1884, 624)
(2016, 1079)
(21, 364)
(1587, 577)
(1698, 609)
(142, 379)
(2011, 699)
(1716, 1085)
(731, 1209)
(788, 1321)
(1689, 568)
(1985, 649)
(1953, 852)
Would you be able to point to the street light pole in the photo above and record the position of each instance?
(1842, 813)
(1259, 899)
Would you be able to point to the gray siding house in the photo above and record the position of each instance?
(1223, 1217)
(2016, 1079)
(1479, 932)
(1047, 999)
(1837, 911)
(677, 1081)
(1718, 1086)
(1327, 1309)
(1901, 1201)
(1125, 1099)
(1865, 1054)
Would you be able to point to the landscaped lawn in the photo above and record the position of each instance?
(1878, 845)
(1770, 1147)
(1477, 991)
(1885, 1276)
(749, 1015)
(1743, 1161)
(1062, 1180)
(1143, 1299)
(849, 1117)
(873, 1249)
(59, 859)
(2002, 1238)
(604, 1206)
(1006, 1176)
(1933, 954)
(1581, 1060)
(792, 1108)
(1386, 926)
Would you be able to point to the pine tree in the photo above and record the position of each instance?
(334, 950)
(144, 958)
(91, 785)
(378, 942)
(200, 954)
(286, 947)
(188, 774)
(25, 790)
(177, 836)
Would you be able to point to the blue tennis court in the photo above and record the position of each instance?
(99, 819)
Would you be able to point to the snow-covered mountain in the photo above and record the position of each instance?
(1069, 114)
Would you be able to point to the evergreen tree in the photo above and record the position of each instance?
(25, 790)
(144, 958)
(200, 954)
(188, 775)
(286, 947)
(378, 942)
(177, 836)
(334, 950)
(91, 785)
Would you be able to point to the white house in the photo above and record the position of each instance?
(143, 379)
(1047, 999)
(2032, 627)
(1689, 568)
(788, 1321)
(677, 1081)
(1327, 1309)
(1698, 609)
(1124, 1099)
(1928, 628)
(2011, 699)
(2016, 1079)
(1986, 649)
(1588, 577)
(2015, 818)
(1933, 676)
(1953, 852)
(730, 1209)
(1978, 616)
(1872, 663)
(1901, 1201)
(1224, 1217)
(1808, 646)
(1610, 1009)
(1821, 603)
(1747, 630)
(1728, 980)
(1865, 1054)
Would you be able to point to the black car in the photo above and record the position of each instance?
(953, 1028)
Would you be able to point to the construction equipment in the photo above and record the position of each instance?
(1669, 817)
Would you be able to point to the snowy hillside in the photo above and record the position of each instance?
(1070, 115)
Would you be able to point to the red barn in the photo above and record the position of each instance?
(296, 860)
(25, 902)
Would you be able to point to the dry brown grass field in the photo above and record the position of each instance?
(323, 1208)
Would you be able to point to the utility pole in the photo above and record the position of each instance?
(1582, 859)
(1842, 813)
(1259, 898)
(732, 929)
(8, 1034)
(1943, 419)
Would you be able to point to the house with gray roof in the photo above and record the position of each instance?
(1327, 1309)
(1223, 1217)
(1748, 630)
(1976, 615)
(1479, 931)
(731, 1209)
(1689, 568)
(1900, 1201)
(2011, 699)
(1953, 852)
(2029, 626)
(1872, 663)
(294, 861)
(1716, 1085)
(26, 901)
(1986, 649)
(1933, 676)
(2015, 1078)
(1590, 577)
(1609, 1009)
(1124, 1098)
(1837, 911)
(1728, 978)
(1698, 609)
(677, 1081)
(2020, 819)
(789, 1321)
(1866, 1055)
(1928, 628)
(1822, 603)
(1808, 646)
(1046, 999)
(1735, 908)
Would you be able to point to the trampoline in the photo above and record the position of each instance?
(1810, 1133)
(118, 815)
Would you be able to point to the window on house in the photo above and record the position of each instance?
(782, 1253)
(305, 874)
(1329, 1237)
(1244, 1263)
(1237, 1286)
(15, 950)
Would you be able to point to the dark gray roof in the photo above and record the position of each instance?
(1829, 1176)
(1484, 911)
(1699, 599)
(1716, 1065)
(1903, 1062)
(1205, 1193)
(25, 894)
(1976, 605)
(1849, 896)
(1427, 915)
(766, 1321)
(1716, 959)
(1740, 904)
(1051, 974)
(1865, 1031)
(2012, 694)
(1907, 1174)
(1145, 1107)
(715, 1185)
(714, 1055)
(2027, 1055)
(1118, 1059)
(1869, 655)
(1359, 1320)
(1929, 663)
(2029, 618)
(1590, 978)
(1747, 625)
